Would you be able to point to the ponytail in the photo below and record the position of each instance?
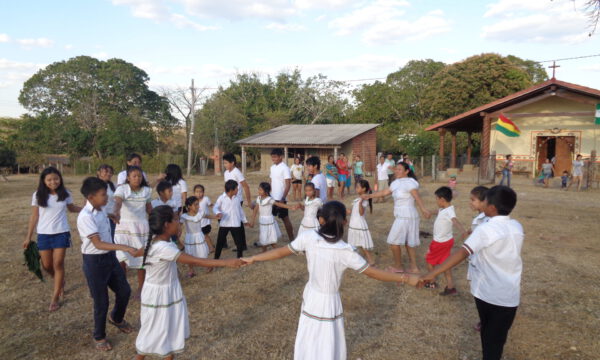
(148, 244)
(334, 214)
(365, 185)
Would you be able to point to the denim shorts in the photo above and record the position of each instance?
(54, 241)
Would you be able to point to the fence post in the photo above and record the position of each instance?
(422, 166)
(433, 168)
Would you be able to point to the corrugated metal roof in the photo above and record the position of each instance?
(334, 134)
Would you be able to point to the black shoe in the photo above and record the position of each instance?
(256, 245)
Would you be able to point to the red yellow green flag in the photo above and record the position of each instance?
(507, 127)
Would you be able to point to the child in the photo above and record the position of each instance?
(132, 206)
(564, 179)
(496, 279)
(100, 265)
(382, 177)
(165, 196)
(313, 166)
(105, 173)
(174, 176)
(321, 327)
(195, 244)
(205, 205)
(269, 229)
(357, 168)
(331, 174)
(133, 159)
(443, 240)
(49, 207)
(358, 229)
(477, 202)
(311, 205)
(297, 171)
(232, 219)
(452, 182)
(164, 317)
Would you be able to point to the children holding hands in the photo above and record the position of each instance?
(229, 210)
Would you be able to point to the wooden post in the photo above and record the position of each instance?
(422, 166)
(468, 148)
(442, 133)
(335, 154)
(432, 168)
(485, 145)
(285, 156)
(243, 160)
(453, 150)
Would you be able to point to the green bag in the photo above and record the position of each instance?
(32, 260)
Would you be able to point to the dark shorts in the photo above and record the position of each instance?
(281, 213)
(54, 241)
(358, 177)
(206, 229)
(297, 182)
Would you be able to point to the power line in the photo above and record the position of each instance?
(571, 58)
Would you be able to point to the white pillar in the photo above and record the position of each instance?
(243, 160)
(285, 156)
(335, 154)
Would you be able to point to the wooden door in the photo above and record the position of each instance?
(541, 149)
(564, 154)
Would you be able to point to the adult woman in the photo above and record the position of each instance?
(297, 171)
(343, 174)
(507, 170)
(331, 175)
(577, 172)
(547, 170)
(405, 230)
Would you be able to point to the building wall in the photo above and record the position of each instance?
(523, 148)
(365, 145)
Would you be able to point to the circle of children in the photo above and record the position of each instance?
(122, 227)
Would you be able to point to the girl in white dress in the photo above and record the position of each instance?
(132, 206)
(269, 231)
(358, 229)
(405, 230)
(164, 316)
(195, 242)
(205, 205)
(312, 203)
(321, 328)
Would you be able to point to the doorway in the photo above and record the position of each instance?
(560, 149)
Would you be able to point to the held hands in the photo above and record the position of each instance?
(233, 263)
(248, 260)
(135, 252)
(426, 214)
(219, 216)
(250, 225)
(425, 279)
(366, 196)
(116, 218)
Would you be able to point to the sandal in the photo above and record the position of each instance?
(53, 307)
(103, 345)
(431, 285)
(124, 326)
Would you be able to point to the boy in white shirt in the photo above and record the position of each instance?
(100, 265)
(281, 182)
(165, 196)
(477, 202)
(443, 239)
(313, 166)
(232, 219)
(382, 177)
(496, 279)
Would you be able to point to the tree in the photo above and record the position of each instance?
(181, 103)
(320, 100)
(534, 70)
(220, 122)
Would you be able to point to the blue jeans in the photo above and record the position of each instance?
(506, 174)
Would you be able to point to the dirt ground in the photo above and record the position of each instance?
(252, 313)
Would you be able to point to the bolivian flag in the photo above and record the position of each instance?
(507, 127)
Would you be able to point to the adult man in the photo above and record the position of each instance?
(392, 164)
(281, 181)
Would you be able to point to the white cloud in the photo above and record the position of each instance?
(14, 73)
(100, 55)
(4, 38)
(158, 11)
(68, 47)
(39, 42)
(6, 64)
(285, 27)
(536, 21)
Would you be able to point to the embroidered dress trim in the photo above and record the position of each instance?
(363, 268)
(296, 252)
(319, 318)
(353, 228)
(267, 224)
(200, 243)
(161, 355)
(163, 306)
(90, 236)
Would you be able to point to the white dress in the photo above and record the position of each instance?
(132, 230)
(321, 327)
(405, 230)
(269, 228)
(194, 242)
(163, 316)
(205, 208)
(358, 229)
(310, 220)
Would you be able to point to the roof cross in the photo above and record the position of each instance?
(553, 67)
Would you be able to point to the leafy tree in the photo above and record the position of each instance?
(221, 122)
(320, 100)
(534, 70)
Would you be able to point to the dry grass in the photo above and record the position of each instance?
(252, 313)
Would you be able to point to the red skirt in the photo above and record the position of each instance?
(438, 252)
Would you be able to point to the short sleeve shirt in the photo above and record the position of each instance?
(442, 227)
(404, 202)
(122, 177)
(279, 174)
(134, 202)
(91, 222)
(297, 170)
(236, 175)
(358, 170)
(170, 202)
(178, 189)
(53, 217)
(391, 164)
(321, 185)
(382, 171)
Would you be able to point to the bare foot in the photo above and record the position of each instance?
(103, 345)
(53, 306)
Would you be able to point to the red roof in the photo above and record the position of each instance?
(465, 121)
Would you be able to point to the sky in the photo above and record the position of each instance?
(212, 41)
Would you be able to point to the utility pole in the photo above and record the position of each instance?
(192, 123)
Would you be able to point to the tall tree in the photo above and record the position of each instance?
(321, 100)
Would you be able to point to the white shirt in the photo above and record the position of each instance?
(236, 175)
(442, 227)
(122, 177)
(382, 171)
(279, 174)
(496, 270)
(52, 218)
(297, 170)
(92, 222)
(478, 220)
(110, 205)
(233, 215)
(134, 202)
(320, 184)
(404, 202)
(178, 189)
(205, 208)
(170, 202)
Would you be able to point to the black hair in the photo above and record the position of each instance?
(43, 192)
(134, 156)
(229, 157)
(334, 214)
(107, 167)
(173, 174)
(314, 161)
(277, 151)
(503, 198)
(188, 202)
(565, 172)
(508, 156)
(162, 186)
(266, 187)
(479, 192)
(330, 157)
(365, 185)
(230, 185)
(411, 174)
(309, 184)
(92, 185)
(445, 193)
(159, 216)
(199, 186)
(131, 169)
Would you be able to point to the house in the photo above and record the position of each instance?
(319, 140)
(557, 120)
